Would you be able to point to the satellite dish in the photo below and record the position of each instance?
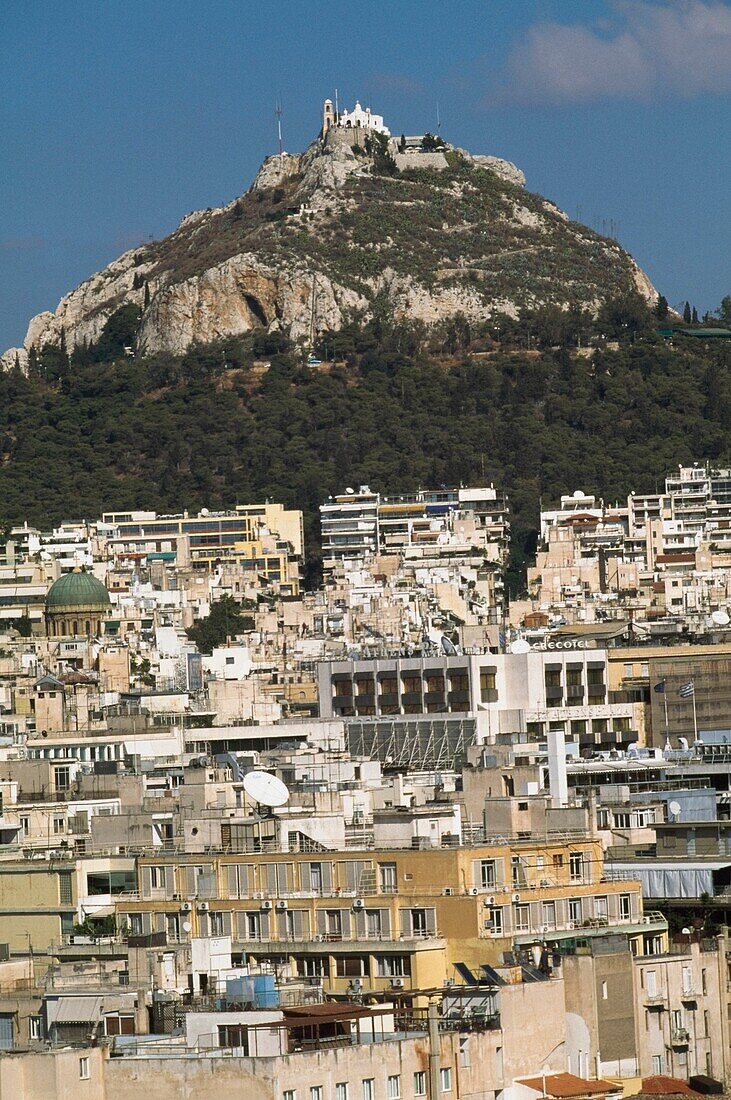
(187, 926)
(266, 789)
(578, 494)
(721, 618)
(350, 491)
(520, 645)
(674, 808)
(448, 648)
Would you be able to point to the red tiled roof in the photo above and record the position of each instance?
(566, 1085)
(666, 1086)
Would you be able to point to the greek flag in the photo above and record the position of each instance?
(687, 691)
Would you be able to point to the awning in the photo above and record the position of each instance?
(78, 1010)
(672, 880)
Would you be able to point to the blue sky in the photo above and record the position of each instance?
(116, 118)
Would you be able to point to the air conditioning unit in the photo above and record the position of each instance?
(359, 903)
(266, 904)
(572, 924)
(203, 907)
(473, 891)
(281, 906)
(355, 985)
(185, 907)
(447, 891)
(516, 897)
(397, 983)
(258, 895)
(489, 901)
(319, 938)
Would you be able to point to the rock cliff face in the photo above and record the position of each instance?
(321, 235)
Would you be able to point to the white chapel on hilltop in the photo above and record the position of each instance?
(359, 117)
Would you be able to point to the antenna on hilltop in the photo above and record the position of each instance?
(278, 113)
(336, 105)
(439, 121)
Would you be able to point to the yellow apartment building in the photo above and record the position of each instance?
(393, 918)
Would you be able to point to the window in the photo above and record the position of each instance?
(341, 1091)
(84, 1069)
(387, 877)
(605, 991)
(59, 823)
(494, 922)
(487, 683)
(706, 1022)
(119, 1024)
(35, 1027)
(576, 866)
(704, 984)
(393, 966)
(369, 1088)
(420, 1083)
(651, 983)
(313, 967)
(215, 924)
(658, 1064)
(25, 826)
(393, 1087)
(315, 1092)
(487, 874)
(601, 908)
(445, 1079)
(64, 889)
(351, 966)
(548, 915)
(62, 778)
(289, 1094)
(575, 910)
(522, 918)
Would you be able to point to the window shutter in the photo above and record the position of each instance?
(169, 880)
(305, 878)
(190, 880)
(386, 923)
(146, 882)
(405, 916)
(327, 878)
(321, 922)
(233, 880)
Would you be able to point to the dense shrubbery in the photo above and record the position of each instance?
(400, 408)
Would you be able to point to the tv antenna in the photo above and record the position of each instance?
(278, 113)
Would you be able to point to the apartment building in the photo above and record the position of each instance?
(509, 693)
(358, 524)
(648, 1016)
(394, 918)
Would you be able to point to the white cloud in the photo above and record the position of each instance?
(679, 48)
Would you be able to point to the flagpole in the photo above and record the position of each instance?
(695, 717)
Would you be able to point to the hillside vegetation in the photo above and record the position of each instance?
(245, 420)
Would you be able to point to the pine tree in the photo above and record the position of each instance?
(686, 313)
(694, 318)
(146, 298)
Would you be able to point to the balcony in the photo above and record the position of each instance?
(679, 1037)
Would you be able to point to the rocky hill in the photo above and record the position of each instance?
(343, 228)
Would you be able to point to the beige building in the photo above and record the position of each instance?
(391, 918)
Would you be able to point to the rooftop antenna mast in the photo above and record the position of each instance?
(278, 113)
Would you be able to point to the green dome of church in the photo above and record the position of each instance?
(77, 591)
